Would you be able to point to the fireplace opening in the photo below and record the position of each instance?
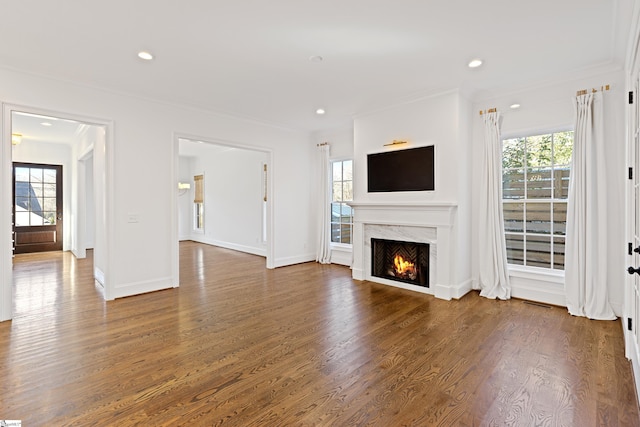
(401, 261)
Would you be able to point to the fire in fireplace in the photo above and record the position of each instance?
(401, 261)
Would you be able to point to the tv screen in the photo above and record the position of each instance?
(401, 170)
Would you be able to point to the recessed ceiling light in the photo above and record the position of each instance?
(316, 58)
(475, 63)
(514, 106)
(320, 111)
(45, 124)
(145, 55)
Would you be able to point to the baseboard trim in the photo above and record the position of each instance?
(142, 287)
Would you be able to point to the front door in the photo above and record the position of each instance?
(37, 207)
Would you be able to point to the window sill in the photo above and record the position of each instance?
(341, 247)
(551, 276)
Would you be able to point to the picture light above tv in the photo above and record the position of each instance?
(401, 170)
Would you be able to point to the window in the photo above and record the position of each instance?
(535, 186)
(198, 203)
(341, 213)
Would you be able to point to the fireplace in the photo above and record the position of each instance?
(406, 262)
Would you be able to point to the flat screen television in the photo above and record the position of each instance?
(401, 170)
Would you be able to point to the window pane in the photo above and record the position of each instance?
(50, 176)
(50, 204)
(558, 253)
(539, 183)
(562, 148)
(561, 183)
(336, 212)
(37, 189)
(513, 184)
(337, 191)
(515, 248)
(335, 233)
(49, 190)
(513, 153)
(35, 175)
(513, 217)
(345, 231)
(538, 217)
(36, 219)
(337, 171)
(538, 251)
(346, 213)
(560, 218)
(49, 218)
(347, 191)
(22, 219)
(22, 202)
(539, 150)
(347, 170)
(22, 174)
(36, 204)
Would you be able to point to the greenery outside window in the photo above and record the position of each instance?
(341, 212)
(535, 185)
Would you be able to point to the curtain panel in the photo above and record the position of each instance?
(493, 275)
(586, 240)
(323, 251)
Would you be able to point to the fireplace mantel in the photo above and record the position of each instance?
(436, 219)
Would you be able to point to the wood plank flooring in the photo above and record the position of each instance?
(305, 345)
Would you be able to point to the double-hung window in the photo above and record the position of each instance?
(535, 182)
(341, 212)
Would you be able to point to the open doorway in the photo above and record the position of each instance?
(67, 143)
(223, 196)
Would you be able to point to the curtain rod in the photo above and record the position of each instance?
(490, 110)
(320, 145)
(585, 91)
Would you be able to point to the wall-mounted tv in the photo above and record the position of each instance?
(401, 170)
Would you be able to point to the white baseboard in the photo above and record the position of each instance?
(449, 292)
(260, 251)
(135, 288)
(298, 259)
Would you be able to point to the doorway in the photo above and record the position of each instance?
(40, 137)
(37, 208)
(235, 188)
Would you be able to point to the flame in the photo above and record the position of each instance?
(402, 266)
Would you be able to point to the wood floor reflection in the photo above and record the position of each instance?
(305, 345)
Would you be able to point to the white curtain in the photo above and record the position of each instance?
(494, 280)
(323, 252)
(586, 240)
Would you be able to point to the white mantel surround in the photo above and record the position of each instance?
(426, 222)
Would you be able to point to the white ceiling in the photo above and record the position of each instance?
(250, 58)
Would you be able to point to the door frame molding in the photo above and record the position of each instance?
(6, 252)
(175, 251)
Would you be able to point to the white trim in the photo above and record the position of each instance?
(299, 259)
(6, 278)
(233, 246)
(136, 288)
(6, 252)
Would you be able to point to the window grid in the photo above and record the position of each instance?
(342, 192)
(542, 220)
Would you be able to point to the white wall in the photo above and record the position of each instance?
(142, 175)
(30, 151)
(233, 198)
(548, 108)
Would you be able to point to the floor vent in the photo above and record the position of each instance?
(537, 304)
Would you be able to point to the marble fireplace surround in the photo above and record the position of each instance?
(426, 222)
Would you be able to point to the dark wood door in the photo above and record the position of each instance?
(37, 207)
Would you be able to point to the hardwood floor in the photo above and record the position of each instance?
(305, 345)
